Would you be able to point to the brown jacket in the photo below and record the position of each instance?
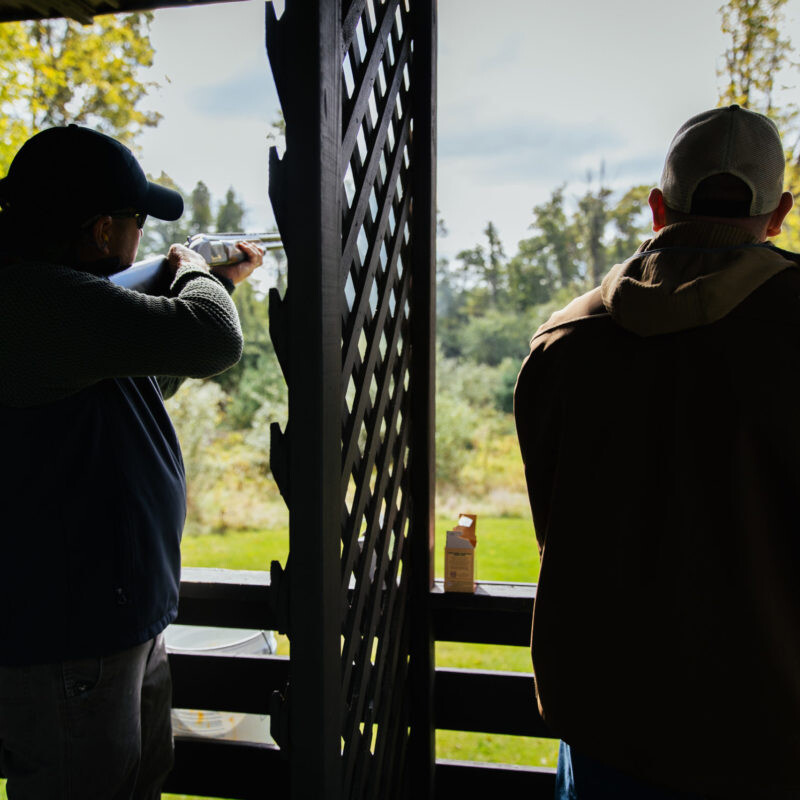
(659, 427)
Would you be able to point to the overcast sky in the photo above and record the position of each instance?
(532, 94)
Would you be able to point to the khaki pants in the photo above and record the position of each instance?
(91, 729)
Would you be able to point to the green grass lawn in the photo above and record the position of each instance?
(506, 552)
(506, 549)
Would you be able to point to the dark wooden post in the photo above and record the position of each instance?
(423, 387)
(305, 187)
(355, 202)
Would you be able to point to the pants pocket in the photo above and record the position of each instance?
(81, 676)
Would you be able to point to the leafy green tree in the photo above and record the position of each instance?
(590, 223)
(56, 72)
(257, 378)
(494, 336)
(486, 266)
(159, 234)
(496, 257)
(200, 208)
(755, 64)
(457, 416)
(630, 223)
(547, 260)
(196, 410)
(198, 218)
(231, 213)
(276, 135)
(755, 56)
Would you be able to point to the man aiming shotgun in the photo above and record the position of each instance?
(93, 493)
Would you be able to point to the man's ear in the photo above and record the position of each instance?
(659, 209)
(101, 233)
(779, 214)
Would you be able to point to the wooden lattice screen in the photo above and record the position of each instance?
(354, 198)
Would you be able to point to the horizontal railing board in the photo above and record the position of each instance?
(226, 598)
(468, 700)
(226, 681)
(461, 779)
(496, 613)
(235, 770)
(502, 595)
(488, 702)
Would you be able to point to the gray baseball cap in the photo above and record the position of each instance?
(731, 140)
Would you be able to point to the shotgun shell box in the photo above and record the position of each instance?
(459, 556)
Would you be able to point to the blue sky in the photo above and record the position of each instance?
(532, 94)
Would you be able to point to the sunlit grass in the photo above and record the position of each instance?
(253, 549)
(506, 549)
(492, 747)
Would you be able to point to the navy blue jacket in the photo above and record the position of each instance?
(93, 493)
(90, 555)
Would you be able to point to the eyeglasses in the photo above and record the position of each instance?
(139, 216)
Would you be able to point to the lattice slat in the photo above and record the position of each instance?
(345, 78)
(376, 359)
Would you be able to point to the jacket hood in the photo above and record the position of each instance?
(689, 274)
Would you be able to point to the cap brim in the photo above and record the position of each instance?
(163, 203)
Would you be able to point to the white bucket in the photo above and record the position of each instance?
(216, 724)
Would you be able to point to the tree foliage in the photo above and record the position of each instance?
(590, 223)
(57, 72)
(488, 305)
(199, 217)
(485, 265)
(200, 207)
(755, 56)
(159, 234)
(230, 215)
(759, 57)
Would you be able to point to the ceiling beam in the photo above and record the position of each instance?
(84, 10)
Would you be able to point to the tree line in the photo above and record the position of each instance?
(489, 303)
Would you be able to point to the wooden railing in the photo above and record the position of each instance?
(215, 767)
(499, 702)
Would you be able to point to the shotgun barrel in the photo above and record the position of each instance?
(148, 276)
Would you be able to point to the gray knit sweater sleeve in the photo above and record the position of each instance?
(62, 330)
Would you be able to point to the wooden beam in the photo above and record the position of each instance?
(226, 682)
(84, 10)
(488, 702)
(235, 770)
(423, 71)
(496, 613)
(226, 598)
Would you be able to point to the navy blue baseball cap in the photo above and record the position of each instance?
(73, 174)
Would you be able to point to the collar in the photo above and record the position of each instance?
(697, 233)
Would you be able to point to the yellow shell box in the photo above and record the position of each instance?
(459, 563)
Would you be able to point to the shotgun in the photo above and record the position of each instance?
(150, 276)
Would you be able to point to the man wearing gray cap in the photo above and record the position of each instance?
(658, 424)
(93, 489)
